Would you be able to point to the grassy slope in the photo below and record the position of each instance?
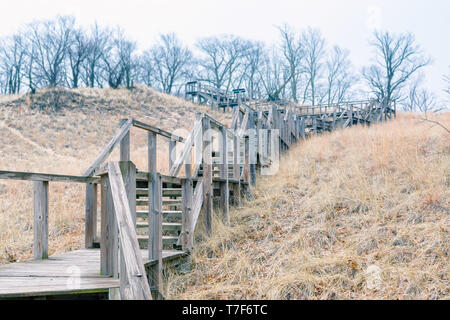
(66, 142)
(344, 207)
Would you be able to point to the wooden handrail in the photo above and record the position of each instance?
(109, 148)
(164, 133)
(33, 176)
(137, 287)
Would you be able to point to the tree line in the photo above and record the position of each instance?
(301, 66)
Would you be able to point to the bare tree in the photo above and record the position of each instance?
(252, 61)
(339, 75)
(12, 60)
(274, 76)
(314, 51)
(96, 45)
(397, 58)
(118, 61)
(222, 57)
(49, 43)
(292, 51)
(169, 60)
(78, 50)
(420, 99)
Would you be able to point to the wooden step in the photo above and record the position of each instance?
(166, 192)
(171, 214)
(165, 202)
(172, 226)
(167, 240)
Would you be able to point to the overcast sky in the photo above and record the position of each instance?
(347, 23)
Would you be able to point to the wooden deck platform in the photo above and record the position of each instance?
(70, 273)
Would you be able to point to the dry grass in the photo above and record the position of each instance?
(62, 131)
(361, 213)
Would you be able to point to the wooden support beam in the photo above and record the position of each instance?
(172, 153)
(40, 245)
(252, 149)
(187, 237)
(207, 175)
(109, 148)
(133, 284)
(236, 171)
(152, 159)
(224, 187)
(90, 232)
(109, 232)
(155, 244)
(125, 143)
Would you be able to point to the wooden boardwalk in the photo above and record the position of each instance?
(70, 273)
(147, 219)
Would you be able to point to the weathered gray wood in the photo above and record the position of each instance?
(236, 171)
(109, 148)
(252, 148)
(207, 175)
(224, 187)
(125, 143)
(176, 166)
(155, 243)
(32, 176)
(152, 160)
(172, 152)
(109, 232)
(156, 130)
(187, 237)
(40, 245)
(90, 215)
(136, 287)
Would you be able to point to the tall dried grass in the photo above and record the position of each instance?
(360, 213)
(62, 131)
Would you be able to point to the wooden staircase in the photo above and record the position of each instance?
(172, 214)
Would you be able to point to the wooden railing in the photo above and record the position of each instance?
(212, 155)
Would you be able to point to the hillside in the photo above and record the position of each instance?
(63, 131)
(360, 213)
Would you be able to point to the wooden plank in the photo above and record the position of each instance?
(156, 130)
(152, 160)
(252, 149)
(175, 168)
(207, 175)
(197, 205)
(137, 287)
(224, 187)
(236, 171)
(155, 243)
(109, 232)
(40, 245)
(172, 152)
(90, 215)
(33, 176)
(187, 237)
(125, 143)
(109, 148)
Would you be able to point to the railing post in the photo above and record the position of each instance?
(172, 152)
(90, 215)
(155, 244)
(252, 148)
(187, 238)
(125, 144)
(40, 246)
(128, 170)
(207, 174)
(224, 187)
(236, 170)
(109, 245)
